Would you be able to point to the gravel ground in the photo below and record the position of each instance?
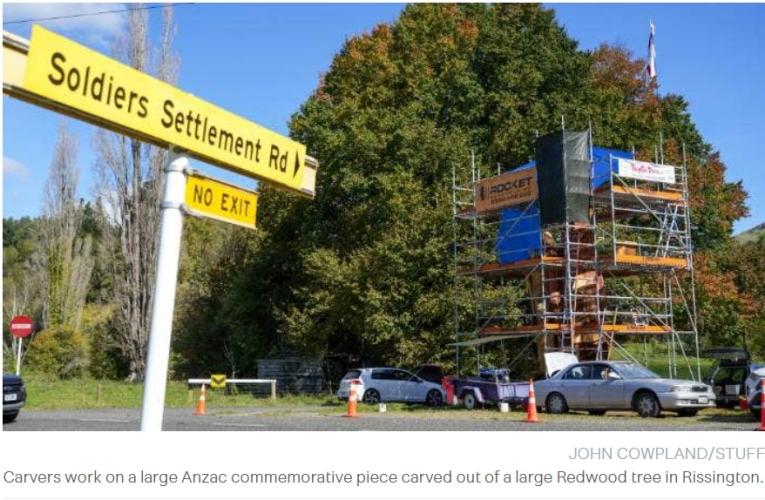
(331, 419)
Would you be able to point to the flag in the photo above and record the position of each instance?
(650, 68)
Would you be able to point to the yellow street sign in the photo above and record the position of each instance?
(219, 200)
(217, 382)
(70, 78)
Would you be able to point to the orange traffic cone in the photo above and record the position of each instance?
(743, 404)
(201, 404)
(762, 407)
(531, 406)
(351, 402)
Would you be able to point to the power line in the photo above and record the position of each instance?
(56, 18)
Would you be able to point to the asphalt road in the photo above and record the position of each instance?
(317, 419)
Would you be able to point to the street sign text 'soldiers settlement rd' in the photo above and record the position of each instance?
(73, 79)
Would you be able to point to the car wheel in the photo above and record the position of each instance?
(468, 399)
(371, 396)
(687, 413)
(597, 413)
(755, 413)
(727, 405)
(646, 405)
(10, 417)
(434, 398)
(556, 403)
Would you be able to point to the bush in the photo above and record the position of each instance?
(105, 360)
(9, 360)
(105, 357)
(58, 351)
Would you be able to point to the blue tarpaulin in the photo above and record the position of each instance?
(600, 167)
(519, 235)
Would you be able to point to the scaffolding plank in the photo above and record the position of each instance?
(618, 328)
(673, 196)
(513, 267)
(520, 331)
(636, 329)
(642, 260)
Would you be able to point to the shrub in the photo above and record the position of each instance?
(104, 360)
(58, 351)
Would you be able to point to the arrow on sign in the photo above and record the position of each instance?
(217, 381)
(297, 165)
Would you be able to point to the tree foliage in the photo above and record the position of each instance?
(743, 267)
(363, 273)
(60, 351)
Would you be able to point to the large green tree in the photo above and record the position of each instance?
(363, 273)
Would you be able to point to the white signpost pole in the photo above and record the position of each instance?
(18, 356)
(158, 357)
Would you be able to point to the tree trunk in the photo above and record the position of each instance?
(131, 184)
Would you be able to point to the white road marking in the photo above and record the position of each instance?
(107, 420)
(239, 425)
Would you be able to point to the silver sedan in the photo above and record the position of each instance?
(598, 386)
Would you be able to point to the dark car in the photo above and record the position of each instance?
(14, 396)
(728, 375)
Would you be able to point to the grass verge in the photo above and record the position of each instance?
(47, 393)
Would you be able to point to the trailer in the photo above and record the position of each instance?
(492, 386)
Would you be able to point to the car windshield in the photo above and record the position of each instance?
(352, 374)
(629, 371)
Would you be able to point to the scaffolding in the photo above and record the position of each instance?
(590, 286)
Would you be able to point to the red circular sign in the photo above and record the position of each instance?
(22, 326)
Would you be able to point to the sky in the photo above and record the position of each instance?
(262, 61)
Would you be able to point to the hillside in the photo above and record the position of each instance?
(753, 234)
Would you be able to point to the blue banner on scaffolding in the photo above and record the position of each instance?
(519, 234)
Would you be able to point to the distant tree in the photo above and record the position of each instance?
(47, 262)
(22, 280)
(21, 283)
(18, 231)
(211, 256)
(67, 258)
(130, 186)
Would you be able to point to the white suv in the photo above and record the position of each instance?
(384, 385)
